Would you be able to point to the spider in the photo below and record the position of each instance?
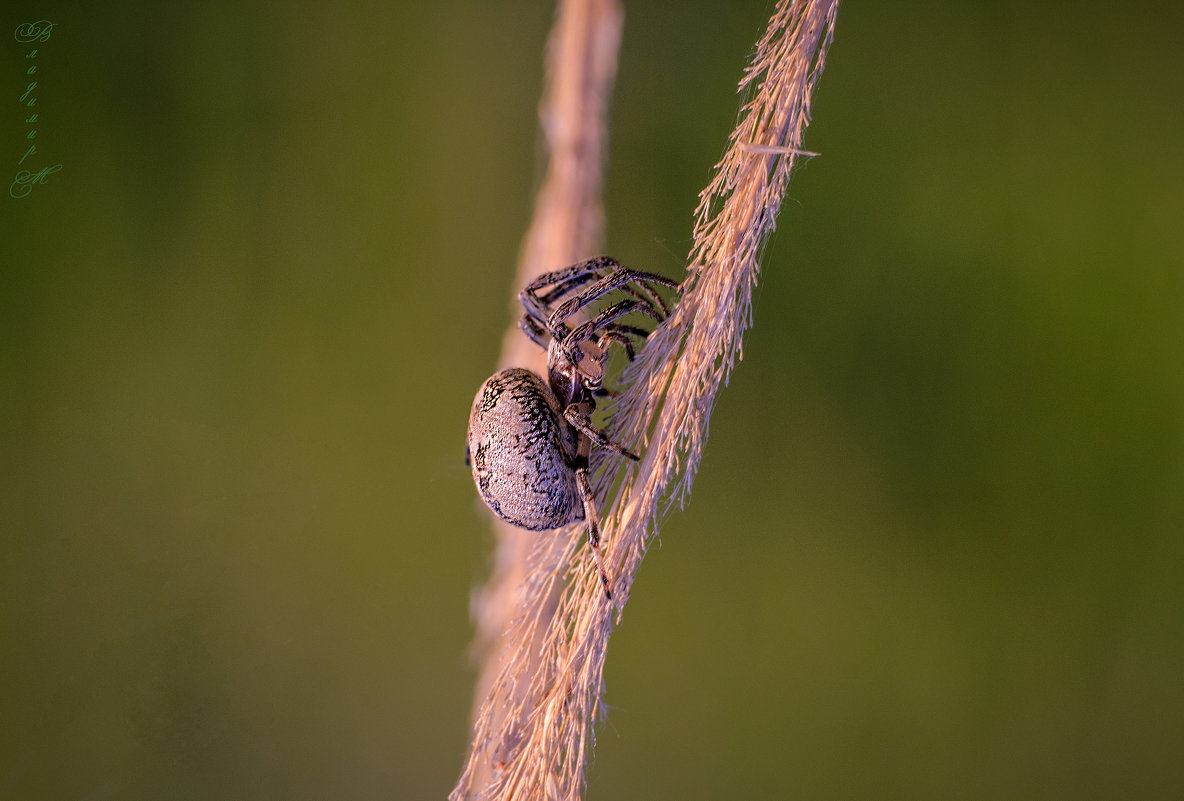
(529, 439)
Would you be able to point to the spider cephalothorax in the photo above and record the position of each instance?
(529, 439)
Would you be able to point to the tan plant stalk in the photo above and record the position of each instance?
(534, 729)
(581, 66)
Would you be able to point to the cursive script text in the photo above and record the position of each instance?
(24, 180)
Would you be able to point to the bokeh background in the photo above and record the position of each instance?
(936, 546)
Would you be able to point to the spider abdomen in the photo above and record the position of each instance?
(522, 452)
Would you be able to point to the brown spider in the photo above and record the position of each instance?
(529, 439)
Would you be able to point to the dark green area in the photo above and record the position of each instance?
(935, 548)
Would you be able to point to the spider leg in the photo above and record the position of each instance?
(593, 526)
(583, 424)
(642, 291)
(615, 280)
(599, 269)
(535, 318)
(621, 334)
(580, 272)
(571, 340)
(567, 286)
(613, 336)
(534, 329)
(538, 303)
(625, 330)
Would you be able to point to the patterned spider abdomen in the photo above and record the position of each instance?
(522, 451)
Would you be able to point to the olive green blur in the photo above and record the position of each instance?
(936, 545)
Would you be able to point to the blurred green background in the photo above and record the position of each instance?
(935, 548)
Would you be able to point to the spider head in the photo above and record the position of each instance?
(575, 374)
